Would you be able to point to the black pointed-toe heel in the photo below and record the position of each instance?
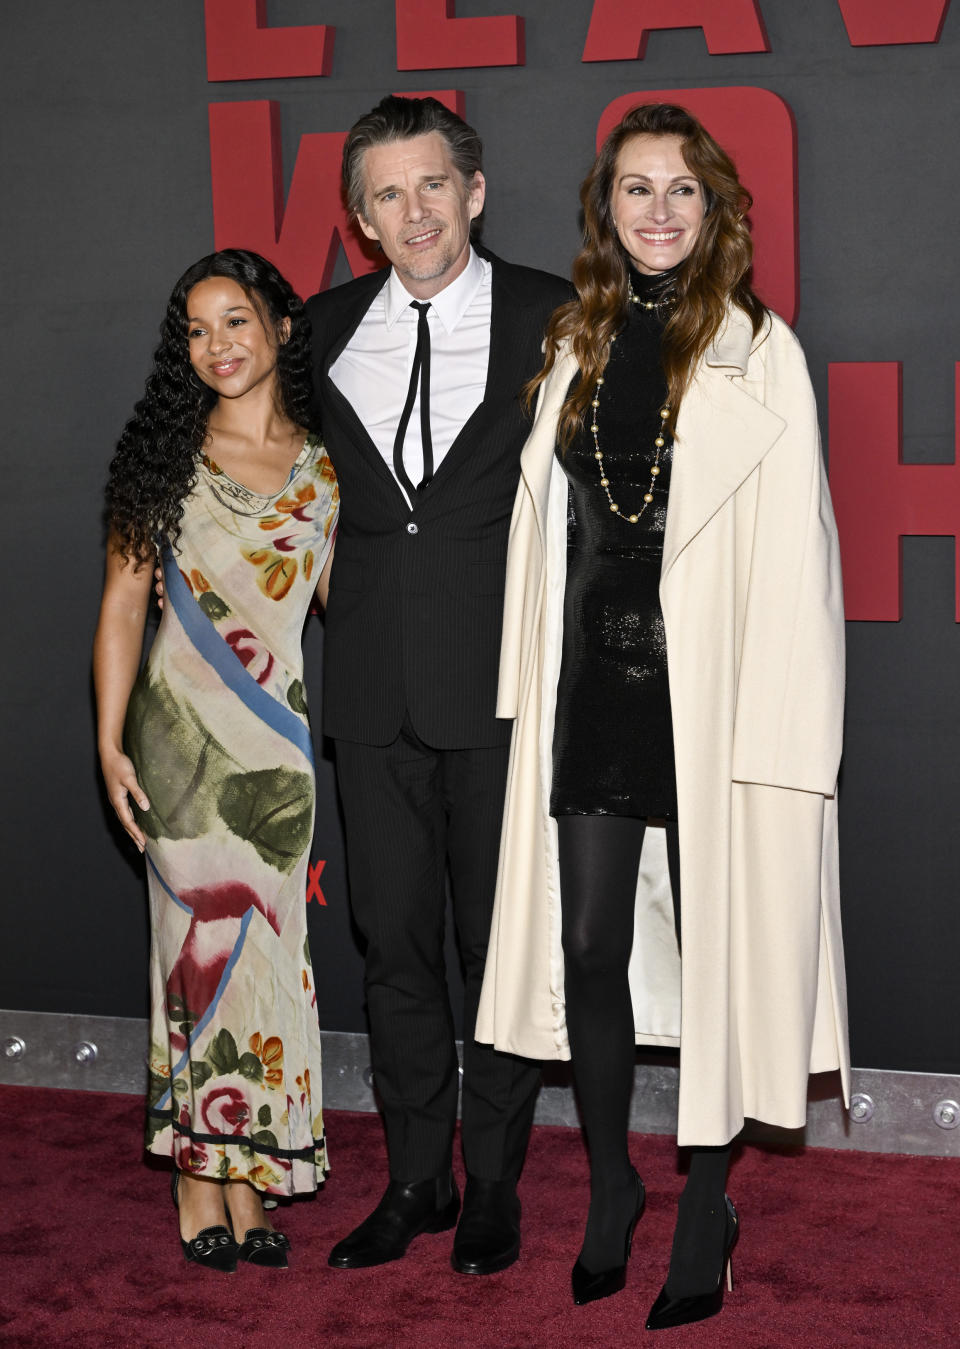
(669, 1311)
(212, 1247)
(588, 1286)
(263, 1246)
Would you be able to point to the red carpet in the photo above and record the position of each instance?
(837, 1248)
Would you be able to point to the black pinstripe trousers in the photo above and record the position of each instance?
(411, 812)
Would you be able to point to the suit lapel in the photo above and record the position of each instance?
(504, 361)
(362, 298)
(345, 412)
(723, 432)
(359, 437)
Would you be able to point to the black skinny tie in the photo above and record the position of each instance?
(419, 377)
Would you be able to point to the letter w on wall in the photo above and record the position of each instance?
(248, 208)
(878, 498)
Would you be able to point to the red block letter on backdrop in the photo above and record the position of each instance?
(453, 99)
(879, 23)
(429, 37)
(619, 28)
(248, 209)
(877, 498)
(240, 46)
(756, 127)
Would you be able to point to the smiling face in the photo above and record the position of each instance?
(656, 203)
(419, 209)
(230, 348)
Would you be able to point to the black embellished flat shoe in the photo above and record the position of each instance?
(588, 1286)
(669, 1311)
(212, 1247)
(262, 1246)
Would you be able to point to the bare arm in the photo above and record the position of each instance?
(116, 660)
(323, 580)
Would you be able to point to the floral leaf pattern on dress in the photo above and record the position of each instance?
(222, 1052)
(200, 1072)
(228, 1105)
(250, 1067)
(158, 1084)
(184, 763)
(297, 698)
(270, 1054)
(296, 503)
(213, 606)
(273, 810)
(275, 573)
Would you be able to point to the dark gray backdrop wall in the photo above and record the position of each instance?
(107, 187)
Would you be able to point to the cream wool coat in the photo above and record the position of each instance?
(752, 604)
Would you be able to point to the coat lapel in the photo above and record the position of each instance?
(536, 461)
(722, 434)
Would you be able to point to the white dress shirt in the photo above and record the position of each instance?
(373, 370)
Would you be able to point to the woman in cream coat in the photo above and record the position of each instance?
(751, 603)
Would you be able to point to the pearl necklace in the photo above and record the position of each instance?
(659, 444)
(664, 301)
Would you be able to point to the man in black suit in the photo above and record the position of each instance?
(418, 372)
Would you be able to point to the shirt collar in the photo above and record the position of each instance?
(450, 304)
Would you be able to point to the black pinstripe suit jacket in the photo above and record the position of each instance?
(416, 597)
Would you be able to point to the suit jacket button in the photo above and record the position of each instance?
(412, 528)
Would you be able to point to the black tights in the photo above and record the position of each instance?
(599, 858)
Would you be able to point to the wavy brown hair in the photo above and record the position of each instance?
(714, 275)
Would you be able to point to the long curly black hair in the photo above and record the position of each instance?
(155, 463)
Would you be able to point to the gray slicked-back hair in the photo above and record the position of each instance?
(399, 119)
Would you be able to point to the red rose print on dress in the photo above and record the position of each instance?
(225, 1111)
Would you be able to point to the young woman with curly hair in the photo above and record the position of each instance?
(206, 750)
(673, 653)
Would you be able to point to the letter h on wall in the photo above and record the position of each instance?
(878, 498)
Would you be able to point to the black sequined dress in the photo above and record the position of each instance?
(613, 734)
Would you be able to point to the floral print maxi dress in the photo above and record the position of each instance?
(217, 729)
